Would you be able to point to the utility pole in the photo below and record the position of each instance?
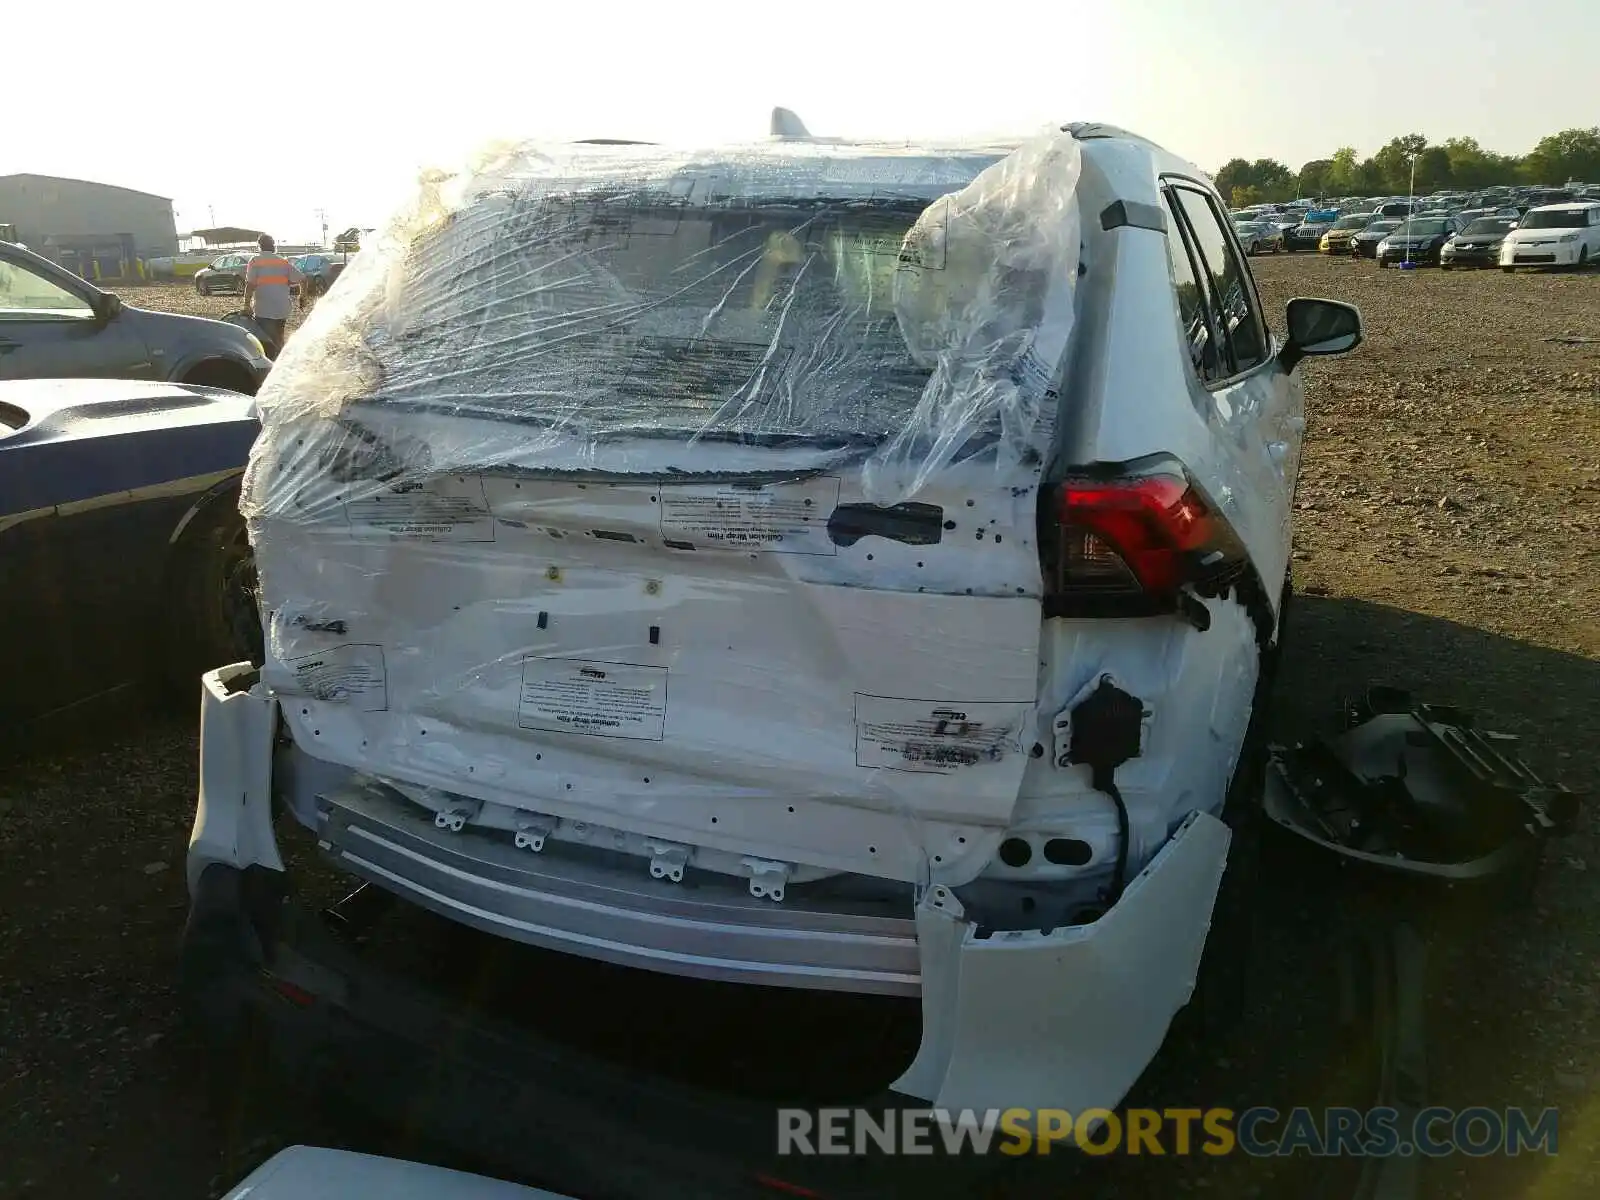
(1411, 207)
(322, 216)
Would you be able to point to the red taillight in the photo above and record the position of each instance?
(1140, 534)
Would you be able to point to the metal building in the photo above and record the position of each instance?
(95, 229)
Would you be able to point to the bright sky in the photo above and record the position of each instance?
(263, 113)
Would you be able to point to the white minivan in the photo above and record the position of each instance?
(807, 564)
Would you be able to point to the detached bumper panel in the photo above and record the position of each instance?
(1069, 1018)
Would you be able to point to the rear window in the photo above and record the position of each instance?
(649, 316)
(1488, 225)
(1353, 222)
(1561, 218)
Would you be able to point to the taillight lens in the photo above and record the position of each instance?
(1136, 534)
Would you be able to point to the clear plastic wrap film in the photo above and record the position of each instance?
(544, 346)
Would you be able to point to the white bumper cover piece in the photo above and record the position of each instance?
(233, 819)
(314, 1173)
(1068, 1018)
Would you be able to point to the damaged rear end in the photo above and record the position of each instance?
(691, 562)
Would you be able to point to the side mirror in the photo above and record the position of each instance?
(1319, 327)
(107, 306)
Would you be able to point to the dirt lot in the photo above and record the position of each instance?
(182, 298)
(1448, 531)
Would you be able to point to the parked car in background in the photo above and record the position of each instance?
(1478, 243)
(1417, 240)
(320, 270)
(1308, 234)
(1395, 209)
(55, 325)
(1257, 234)
(1337, 239)
(1026, 678)
(1285, 220)
(225, 275)
(1556, 235)
(1365, 243)
(124, 556)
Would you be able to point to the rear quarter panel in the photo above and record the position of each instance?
(1130, 391)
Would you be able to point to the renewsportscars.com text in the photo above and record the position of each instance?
(1259, 1132)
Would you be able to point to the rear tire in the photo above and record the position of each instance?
(211, 609)
(202, 288)
(1583, 259)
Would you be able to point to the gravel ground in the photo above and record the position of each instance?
(182, 298)
(1448, 512)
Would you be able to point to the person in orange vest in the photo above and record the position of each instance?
(268, 291)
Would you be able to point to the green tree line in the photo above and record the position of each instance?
(1459, 163)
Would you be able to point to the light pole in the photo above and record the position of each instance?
(1411, 209)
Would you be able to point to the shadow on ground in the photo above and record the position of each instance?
(100, 1095)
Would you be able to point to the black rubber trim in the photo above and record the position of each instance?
(1133, 214)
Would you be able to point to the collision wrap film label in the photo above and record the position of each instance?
(601, 699)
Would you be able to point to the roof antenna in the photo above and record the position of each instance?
(786, 124)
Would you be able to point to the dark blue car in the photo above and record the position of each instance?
(123, 557)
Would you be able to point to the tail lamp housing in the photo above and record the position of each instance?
(1133, 539)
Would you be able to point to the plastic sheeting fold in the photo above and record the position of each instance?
(735, 343)
(899, 305)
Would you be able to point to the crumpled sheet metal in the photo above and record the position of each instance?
(886, 306)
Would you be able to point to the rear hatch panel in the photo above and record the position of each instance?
(694, 499)
(703, 662)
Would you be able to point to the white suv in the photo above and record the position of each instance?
(813, 564)
(1553, 235)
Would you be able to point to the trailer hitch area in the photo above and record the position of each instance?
(1416, 789)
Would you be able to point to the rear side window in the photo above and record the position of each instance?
(1229, 294)
(1193, 310)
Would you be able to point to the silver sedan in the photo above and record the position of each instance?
(1257, 233)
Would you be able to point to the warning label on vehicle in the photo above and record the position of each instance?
(352, 674)
(448, 509)
(933, 736)
(777, 518)
(604, 699)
